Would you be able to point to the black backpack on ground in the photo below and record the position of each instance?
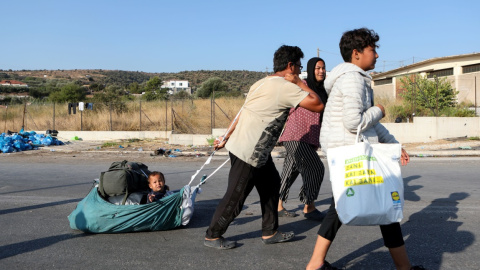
(124, 178)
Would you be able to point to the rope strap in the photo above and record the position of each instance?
(223, 138)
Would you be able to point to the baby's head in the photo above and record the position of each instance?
(156, 181)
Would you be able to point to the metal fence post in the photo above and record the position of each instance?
(6, 114)
(24, 113)
(81, 120)
(111, 129)
(166, 116)
(53, 115)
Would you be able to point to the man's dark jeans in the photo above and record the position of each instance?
(241, 180)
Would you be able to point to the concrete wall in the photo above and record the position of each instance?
(427, 129)
(386, 91)
(423, 129)
(468, 87)
(190, 139)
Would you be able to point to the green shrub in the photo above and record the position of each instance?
(210, 140)
(457, 111)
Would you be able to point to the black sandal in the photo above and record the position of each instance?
(314, 215)
(220, 243)
(285, 213)
(279, 237)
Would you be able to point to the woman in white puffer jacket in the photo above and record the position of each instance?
(350, 106)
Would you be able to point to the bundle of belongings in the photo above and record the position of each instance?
(125, 183)
(118, 203)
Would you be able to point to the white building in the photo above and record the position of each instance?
(304, 75)
(177, 86)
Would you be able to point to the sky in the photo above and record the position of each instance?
(189, 35)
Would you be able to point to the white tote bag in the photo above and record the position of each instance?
(367, 183)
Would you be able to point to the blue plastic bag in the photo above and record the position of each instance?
(47, 141)
(7, 149)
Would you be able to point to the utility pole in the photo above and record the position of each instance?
(436, 82)
(318, 52)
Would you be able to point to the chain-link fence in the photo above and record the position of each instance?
(190, 116)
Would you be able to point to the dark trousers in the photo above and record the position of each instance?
(392, 233)
(241, 180)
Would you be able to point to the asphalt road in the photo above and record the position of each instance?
(39, 192)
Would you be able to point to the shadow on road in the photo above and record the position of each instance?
(429, 234)
(32, 245)
(37, 206)
(37, 189)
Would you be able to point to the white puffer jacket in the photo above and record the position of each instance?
(350, 100)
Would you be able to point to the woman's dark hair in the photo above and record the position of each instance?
(358, 39)
(284, 55)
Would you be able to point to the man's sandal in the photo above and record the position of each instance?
(279, 237)
(285, 213)
(220, 243)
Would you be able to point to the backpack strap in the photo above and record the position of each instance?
(125, 197)
(100, 185)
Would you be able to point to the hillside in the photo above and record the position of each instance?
(238, 80)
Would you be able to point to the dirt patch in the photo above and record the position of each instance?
(139, 150)
(144, 150)
(148, 145)
(445, 144)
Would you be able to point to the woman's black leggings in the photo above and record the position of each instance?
(392, 233)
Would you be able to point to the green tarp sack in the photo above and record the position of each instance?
(95, 215)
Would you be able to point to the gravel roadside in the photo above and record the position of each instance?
(145, 149)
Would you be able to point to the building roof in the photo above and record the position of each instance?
(12, 82)
(405, 69)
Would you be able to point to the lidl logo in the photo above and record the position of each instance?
(395, 196)
(350, 192)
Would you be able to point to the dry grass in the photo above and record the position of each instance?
(188, 116)
(388, 103)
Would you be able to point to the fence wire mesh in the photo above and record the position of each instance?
(197, 116)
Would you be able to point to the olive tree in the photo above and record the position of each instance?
(68, 93)
(153, 90)
(212, 84)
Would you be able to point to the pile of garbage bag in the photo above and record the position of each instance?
(24, 140)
